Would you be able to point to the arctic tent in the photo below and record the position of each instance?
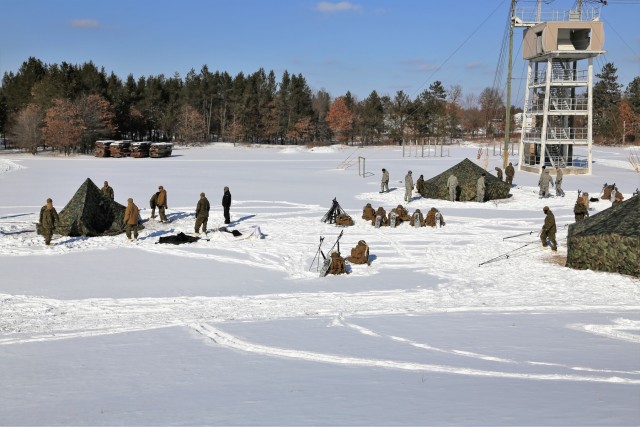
(89, 213)
(608, 241)
(467, 173)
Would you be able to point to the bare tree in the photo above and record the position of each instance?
(27, 128)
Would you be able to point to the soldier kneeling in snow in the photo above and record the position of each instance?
(359, 254)
(417, 219)
(338, 265)
(434, 218)
(368, 213)
(380, 219)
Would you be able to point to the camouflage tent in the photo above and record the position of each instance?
(467, 173)
(607, 241)
(88, 213)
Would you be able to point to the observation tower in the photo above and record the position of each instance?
(557, 119)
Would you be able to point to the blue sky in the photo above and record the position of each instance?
(356, 45)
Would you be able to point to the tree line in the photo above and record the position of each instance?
(68, 107)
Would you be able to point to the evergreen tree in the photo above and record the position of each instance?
(632, 95)
(372, 115)
(606, 100)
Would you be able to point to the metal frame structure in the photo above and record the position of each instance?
(558, 103)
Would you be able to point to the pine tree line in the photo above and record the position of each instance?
(69, 106)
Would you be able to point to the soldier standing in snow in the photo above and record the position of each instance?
(559, 190)
(131, 214)
(202, 214)
(107, 191)
(452, 185)
(153, 203)
(384, 183)
(549, 229)
(162, 204)
(408, 187)
(480, 188)
(226, 204)
(499, 173)
(544, 182)
(48, 219)
(509, 172)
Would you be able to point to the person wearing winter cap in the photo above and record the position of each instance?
(202, 214)
(480, 188)
(548, 231)
(384, 182)
(226, 205)
(48, 219)
(408, 187)
(130, 219)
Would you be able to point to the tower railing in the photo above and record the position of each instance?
(531, 15)
(559, 76)
(560, 104)
(557, 134)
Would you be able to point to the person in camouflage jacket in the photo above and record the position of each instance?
(107, 191)
(580, 211)
(549, 229)
(509, 172)
(202, 214)
(499, 173)
(48, 220)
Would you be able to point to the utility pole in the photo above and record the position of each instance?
(507, 118)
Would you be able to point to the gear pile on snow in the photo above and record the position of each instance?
(333, 213)
(178, 239)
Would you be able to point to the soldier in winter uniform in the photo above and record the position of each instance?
(408, 187)
(202, 214)
(549, 229)
(130, 219)
(359, 254)
(420, 184)
(226, 205)
(48, 219)
(107, 191)
(559, 190)
(431, 218)
(544, 182)
(417, 219)
(509, 172)
(401, 212)
(384, 182)
(452, 185)
(153, 203)
(499, 173)
(580, 211)
(480, 188)
(368, 213)
(338, 265)
(161, 202)
(383, 217)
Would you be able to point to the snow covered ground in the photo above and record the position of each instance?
(235, 331)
